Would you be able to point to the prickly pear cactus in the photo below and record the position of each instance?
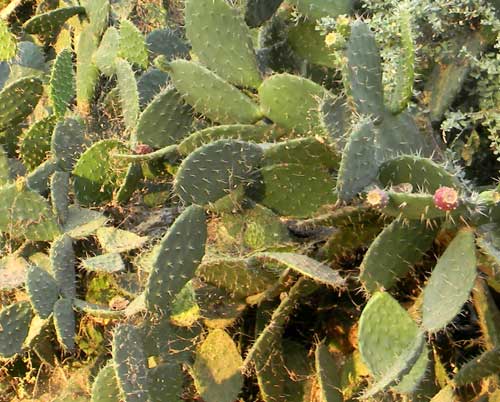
(253, 200)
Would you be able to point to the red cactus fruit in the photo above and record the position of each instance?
(446, 198)
(142, 149)
(377, 198)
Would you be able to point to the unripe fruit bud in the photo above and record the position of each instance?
(377, 198)
(446, 198)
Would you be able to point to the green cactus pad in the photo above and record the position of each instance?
(214, 170)
(129, 95)
(18, 100)
(364, 70)
(236, 276)
(68, 141)
(309, 150)
(360, 161)
(34, 144)
(328, 374)
(167, 42)
(115, 240)
(405, 63)
(105, 386)
(217, 308)
(488, 313)
(403, 364)
(211, 95)
(399, 134)
(97, 12)
(274, 329)
(105, 56)
(218, 32)
(447, 78)
(59, 195)
(259, 11)
(5, 176)
(165, 382)
(171, 343)
(422, 173)
(150, 84)
(8, 43)
(168, 153)
(39, 179)
(242, 132)
(98, 311)
(350, 238)
(305, 266)
(107, 263)
(26, 213)
(316, 9)
(62, 83)
(96, 175)
(446, 394)
(50, 22)
(62, 259)
(336, 119)
(82, 222)
(386, 332)
(482, 366)
(14, 321)
(65, 323)
(42, 290)
(181, 250)
(308, 43)
(257, 227)
(416, 206)
(87, 72)
(130, 363)
(393, 253)
(270, 369)
(217, 368)
(132, 44)
(295, 189)
(293, 103)
(131, 183)
(165, 121)
(451, 282)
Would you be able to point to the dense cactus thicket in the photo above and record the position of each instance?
(249, 200)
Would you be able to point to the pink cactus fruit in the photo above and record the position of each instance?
(446, 198)
(142, 149)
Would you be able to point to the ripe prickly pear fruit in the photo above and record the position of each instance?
(142, 149)
(446, 198)
(377, 198)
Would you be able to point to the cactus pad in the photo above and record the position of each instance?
(165, 121)
(14, 321)
(62, 83)
(451, 282)
(96, 175)
(62, 259)
(212, 171)
(42, 290)
(211, 95)
(218, 32)
(18, 100)
(65, 323)
(293, 102)
(393, 253)
(180, 252)
(217, 369)
(130, 363)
